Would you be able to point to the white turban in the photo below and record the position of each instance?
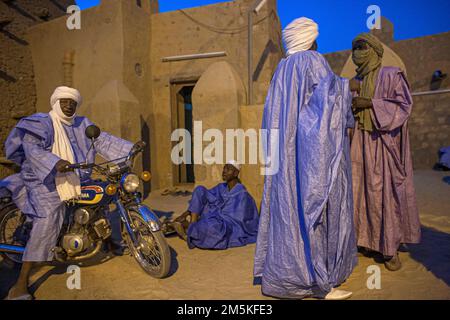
(66, 93)
(234, 164)
(300, 35)
(68, 183)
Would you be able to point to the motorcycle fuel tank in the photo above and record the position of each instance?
(91, 194)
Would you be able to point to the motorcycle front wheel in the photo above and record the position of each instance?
(152, 253)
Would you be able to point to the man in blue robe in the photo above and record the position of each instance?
(44, 144)
(444, 158)
(306, 243)
(223, 217)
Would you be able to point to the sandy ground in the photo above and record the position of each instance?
(199, 274)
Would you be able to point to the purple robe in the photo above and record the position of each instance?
(386, 213)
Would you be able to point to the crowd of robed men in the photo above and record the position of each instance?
(345, 179)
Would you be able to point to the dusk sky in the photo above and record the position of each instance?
(340, 20)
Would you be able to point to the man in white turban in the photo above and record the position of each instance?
(222, 217)
(44, 144)
(306, 244)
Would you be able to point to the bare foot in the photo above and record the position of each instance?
(19, 292)
(183, 217)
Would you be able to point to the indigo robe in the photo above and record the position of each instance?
(386, 213)
(306, 243)
(33, 190)
(444, 157)
(228, 218)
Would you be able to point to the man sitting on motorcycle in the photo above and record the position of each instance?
(44, 145)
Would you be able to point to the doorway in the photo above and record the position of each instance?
(182, 118)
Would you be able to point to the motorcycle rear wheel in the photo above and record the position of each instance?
(153, 253)
(11, 220)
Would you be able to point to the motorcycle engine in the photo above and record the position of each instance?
(77, 239)
(84, 231)
(75, 243)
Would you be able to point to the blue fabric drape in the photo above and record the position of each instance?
(306, 243)
(228, 218)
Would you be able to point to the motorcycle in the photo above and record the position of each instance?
(86, 226)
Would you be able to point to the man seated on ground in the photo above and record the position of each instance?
(223, 217)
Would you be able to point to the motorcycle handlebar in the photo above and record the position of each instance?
(81, 166)
(137, 148)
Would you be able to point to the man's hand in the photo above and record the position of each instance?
(355, 85)
(361, 103)
(63, 166)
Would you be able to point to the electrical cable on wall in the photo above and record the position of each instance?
(226, 30)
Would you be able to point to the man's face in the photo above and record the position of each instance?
(360, 53)
(68, 106)
(360, 45)
(229, 173)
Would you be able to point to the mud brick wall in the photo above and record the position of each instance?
(17, 89)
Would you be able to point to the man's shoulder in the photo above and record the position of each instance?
(39, 124)
(82, 121)
(308, 55)
(394, 74)
(240, 188)
(37, 119)
(391, 70)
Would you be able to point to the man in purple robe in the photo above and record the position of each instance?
(386, 213)
(44, 144)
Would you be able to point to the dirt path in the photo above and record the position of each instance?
(200, 274)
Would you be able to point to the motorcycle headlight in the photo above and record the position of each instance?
(131, 182)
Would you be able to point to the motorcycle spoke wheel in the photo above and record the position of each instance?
(10, 225)
(152, 253)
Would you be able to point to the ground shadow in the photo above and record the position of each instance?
(433, 252)
(257, 281)
(61, 268)
(446, 179)
(9, 272)
(174, 262)
(58, 269)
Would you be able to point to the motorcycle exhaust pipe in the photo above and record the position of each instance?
(9, 248)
